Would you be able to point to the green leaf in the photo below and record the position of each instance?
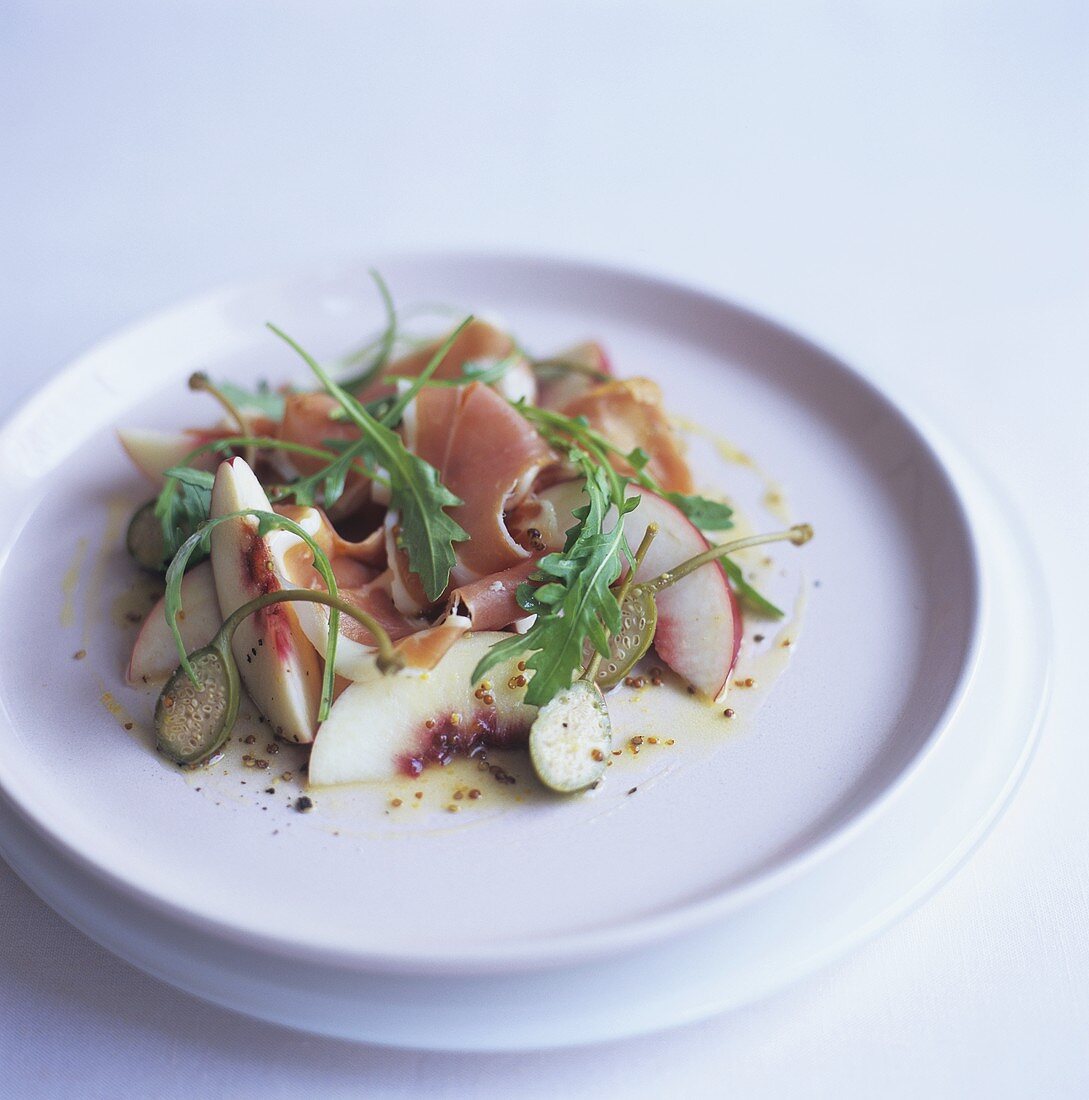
(708, 515)
(637, 458)
(264, 399)
(415, 489)
(747, 594)
(184, 500)
(330, 479)
(182, 506)
(557, 367)
(392, 417)
(377, 353)
(197, 479)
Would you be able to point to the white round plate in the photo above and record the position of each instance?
(749, 852)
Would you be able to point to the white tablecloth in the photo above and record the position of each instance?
(907, 183)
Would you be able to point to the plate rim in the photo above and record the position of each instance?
(559, 949)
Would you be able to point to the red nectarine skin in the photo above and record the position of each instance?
(257, 572)
(260, 577)
(443, 739)
(605, 364)
(673, 644)
(680, 639)
(669, 637)
(274, 624)
(739, 625)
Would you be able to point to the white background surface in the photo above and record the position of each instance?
(910, 186)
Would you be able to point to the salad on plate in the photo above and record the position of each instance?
(433, 548)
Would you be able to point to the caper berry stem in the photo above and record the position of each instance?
(200, 381)
(640, 554)
(798, 534)
(387, 660)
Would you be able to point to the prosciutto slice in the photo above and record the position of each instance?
(478, 340)
(427, 647)
(374, 598)
(406, 588)
(308, 420)
(630, 414)
(420, 648)
(490, 603)
(341, 552)
(562, 388)
(360, 568)
(487, 455)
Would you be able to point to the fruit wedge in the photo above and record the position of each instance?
(153, 453)
(562, 387)
(699, 622)
(385, 726)
(278, 663)
(154, 654)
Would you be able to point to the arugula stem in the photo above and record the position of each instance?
(387, 660)
(260, 443)
(487, 375)
(582, 434)
(640, 554)
(384, 343)
(199, 381)
(393, 415)
(265, 521)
